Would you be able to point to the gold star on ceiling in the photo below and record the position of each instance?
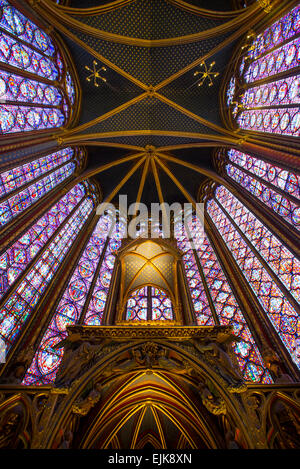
(95, 73)
(206, 73)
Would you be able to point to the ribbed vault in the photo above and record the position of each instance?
(149, 102)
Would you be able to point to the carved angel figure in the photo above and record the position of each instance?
(85, 405)
(73, 362)
(224, 364)
(215, 404)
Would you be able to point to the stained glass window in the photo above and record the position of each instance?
(96, 305)
(14, 205)
(231, 91)
(149, 304)
(70, 307)
(203, 267)
(271, 106)
(83, 300)
(200, 300)
(137, 305)
(40, 99)
(15, 259)
(269, 267)
(17, 177)
(283, 29)
(280, 178)
(277, 188)
(27, 294)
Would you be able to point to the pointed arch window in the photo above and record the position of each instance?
(213, 299)
(271, 106)
(24, 185)
(15, 259)
(27, 292)
(83, 300)
(97, 301)
(275, 187)
(37, 91)
(271, 270)
(149, 304)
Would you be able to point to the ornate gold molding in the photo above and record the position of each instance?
(193, 116)
(209, 13)
(213, 51)
(148, 323)
(113, 145)
(145, 332)
(44, 6)
(92, 11)
(78, 139)
(105, 116)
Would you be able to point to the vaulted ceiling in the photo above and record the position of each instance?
(150, 98)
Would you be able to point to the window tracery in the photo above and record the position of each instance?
(38, 177)
(15, 259)
(149, 304)
(37, 103)
(270, 106)
(216, 304)
(36, 91)
(258, 253)
(275, 187)
(26, 295)
(83, 299)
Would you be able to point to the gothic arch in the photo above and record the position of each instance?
(116, 374)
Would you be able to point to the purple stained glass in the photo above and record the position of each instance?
(287, 181)
(161, 305)
(70, 88)
(24, 58)
(27, 48)
(15, 259)
(95, 309)
(283, 29)
(137, 305)
(278, 121)
(284, 58)
(280, 259)
(47, 359)
(17, 24)
(149, 304)
(16, 177)
(200, 301)
(231, 91)
(280, 312)
(285, 91)
(17, 88)
(227, 308)
(22, 302)
(284, 207)
(272, 107)
(24, 118)
(19, 202)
